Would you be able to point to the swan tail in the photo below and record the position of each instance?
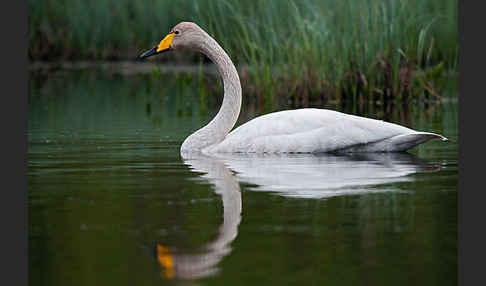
(397, 143)
(408, 141)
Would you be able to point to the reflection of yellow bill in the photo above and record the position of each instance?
(165, 260)
(165, 43)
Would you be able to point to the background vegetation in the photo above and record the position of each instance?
(374, 49)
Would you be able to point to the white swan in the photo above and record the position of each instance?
(305, 130)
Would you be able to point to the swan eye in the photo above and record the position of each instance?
(176, 32)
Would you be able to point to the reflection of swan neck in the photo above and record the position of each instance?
(228, 231)
(216, 130)
(204, 264)
(226, 185)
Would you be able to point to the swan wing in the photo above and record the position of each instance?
(312, 130)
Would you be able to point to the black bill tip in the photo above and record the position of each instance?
(149, 53)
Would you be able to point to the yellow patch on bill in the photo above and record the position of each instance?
(165, 260)
(165, 43)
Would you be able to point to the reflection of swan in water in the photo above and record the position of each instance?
(298, 175)
(324, 175)
(192, 266)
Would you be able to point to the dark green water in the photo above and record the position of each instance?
(111, 202)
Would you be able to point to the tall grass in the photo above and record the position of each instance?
(356, 47)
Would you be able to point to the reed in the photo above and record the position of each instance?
(381, 50)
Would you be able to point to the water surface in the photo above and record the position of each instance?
(111, 202)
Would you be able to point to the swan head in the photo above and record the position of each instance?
(184, 36)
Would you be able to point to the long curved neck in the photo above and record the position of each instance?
(217, 129)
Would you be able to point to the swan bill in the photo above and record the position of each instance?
(163, 46)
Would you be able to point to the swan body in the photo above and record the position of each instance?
(306, 130)
(312, 130)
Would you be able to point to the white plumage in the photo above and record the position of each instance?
(311, 130)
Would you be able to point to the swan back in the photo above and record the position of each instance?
(308, 130)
